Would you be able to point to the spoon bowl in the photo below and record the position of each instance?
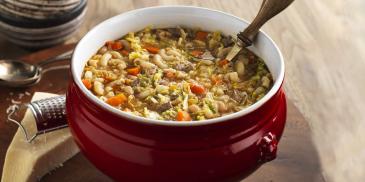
(17, 73)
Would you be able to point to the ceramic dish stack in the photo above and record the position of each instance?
(40, 23)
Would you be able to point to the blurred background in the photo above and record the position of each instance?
(322, 43)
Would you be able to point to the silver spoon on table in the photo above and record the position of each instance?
(269, 8)
(16, 73)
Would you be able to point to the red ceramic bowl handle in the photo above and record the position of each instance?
(268, 147)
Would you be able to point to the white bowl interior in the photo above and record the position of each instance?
(172, 16)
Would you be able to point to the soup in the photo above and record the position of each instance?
(176, 74)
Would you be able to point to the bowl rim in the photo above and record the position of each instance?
(276, 87)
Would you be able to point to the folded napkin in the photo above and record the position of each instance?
(30, 161)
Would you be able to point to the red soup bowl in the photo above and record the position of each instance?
(132, 148)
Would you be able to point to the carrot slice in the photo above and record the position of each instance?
(197, 89)
(196, 53)
(152, 49)
(117, 100)
(201, 35)
(183, 116)
(223, 62)
(87, 83)
(134, 71)
(124, 52)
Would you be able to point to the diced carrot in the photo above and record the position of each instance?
(216, 80)
(197, 89)
(117, 45)
(152, 49)
(134, 71)
(201, 35)
(223, 62)
(124, 52)
(117, 100)
(170, 74)
(87, 83)
(114, 45)
(183, 116)
(196, 53)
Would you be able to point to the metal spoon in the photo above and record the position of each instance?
(16, 73)
(269, 8)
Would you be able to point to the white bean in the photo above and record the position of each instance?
(128, 90)
(98, 88)
(88, 75)
(222, 108)
(240, 68)
(105, 59)
(265, 82)
(232, 76)
(219, 92)
(194, 108)
(157, 59)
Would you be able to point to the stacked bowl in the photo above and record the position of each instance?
(40, 23)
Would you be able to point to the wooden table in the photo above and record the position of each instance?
(322, 43)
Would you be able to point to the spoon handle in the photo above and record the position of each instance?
(61, 57)
(269, 8)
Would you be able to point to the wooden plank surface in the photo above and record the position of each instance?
(322, 43)
(297, 159)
